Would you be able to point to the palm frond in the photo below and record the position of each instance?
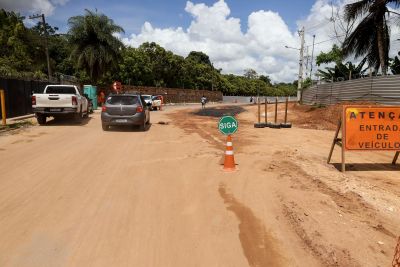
(357, 9)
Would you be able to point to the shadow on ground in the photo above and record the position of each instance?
(368, 167)
(128, 128)
(219, 111)
(67, 122)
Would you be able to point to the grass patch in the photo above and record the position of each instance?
(16, 125)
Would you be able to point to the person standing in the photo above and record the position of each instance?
(203, 101)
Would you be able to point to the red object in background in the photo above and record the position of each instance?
(74, 101)
(117, 86)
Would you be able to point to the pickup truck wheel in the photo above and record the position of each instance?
(143, 126)
(79, 116)
(105, 127)
(41, 119)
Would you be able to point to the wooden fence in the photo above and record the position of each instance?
(175, 95)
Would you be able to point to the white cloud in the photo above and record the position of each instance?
(35, 6)
(214, 32)
(261, 46)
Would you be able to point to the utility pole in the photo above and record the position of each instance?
(312, 57)
(300, 81)
(46, 45)
(307, 60)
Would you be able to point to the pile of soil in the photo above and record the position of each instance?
(318, 117)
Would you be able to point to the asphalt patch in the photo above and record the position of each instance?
(219, 111)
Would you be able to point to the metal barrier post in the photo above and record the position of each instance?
(266, 111)
(276, 110)
(286, 108)
(3, 107)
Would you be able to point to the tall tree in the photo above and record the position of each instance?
(371, 37)
(250, 74)
(94, 46)
(266, 79)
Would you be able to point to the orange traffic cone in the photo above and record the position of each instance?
(229, 162)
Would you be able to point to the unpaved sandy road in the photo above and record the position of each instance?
(73, 195)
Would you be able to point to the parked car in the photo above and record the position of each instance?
(125, 109)
(147, 99)
(156, 102)
(59, 100)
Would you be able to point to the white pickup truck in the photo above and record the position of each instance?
(59, 100)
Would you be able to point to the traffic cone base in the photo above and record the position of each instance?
(229, 162)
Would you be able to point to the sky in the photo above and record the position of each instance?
(236, 34)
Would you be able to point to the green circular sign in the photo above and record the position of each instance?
(228, 125)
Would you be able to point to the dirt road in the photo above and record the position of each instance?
(73, 195)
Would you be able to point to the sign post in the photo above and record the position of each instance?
(368, 128)
(3, 107)
(228, 125)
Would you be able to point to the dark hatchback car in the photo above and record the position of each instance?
(125, 109)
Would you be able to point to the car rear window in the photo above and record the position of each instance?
(60, 90)
(122, 100)
(155, 97)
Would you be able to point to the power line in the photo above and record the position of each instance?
(328, 40)
(309, 28)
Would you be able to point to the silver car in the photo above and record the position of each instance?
(125, 109)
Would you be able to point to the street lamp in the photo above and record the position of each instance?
(291, 47)
(300, 80)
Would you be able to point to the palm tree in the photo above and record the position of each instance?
(94, 47)
(343, 71)
(371, 38)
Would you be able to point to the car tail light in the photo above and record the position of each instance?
(139, 109)
(74, 101)
(103, 109)
(33, 100)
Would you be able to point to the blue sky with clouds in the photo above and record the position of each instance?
(132, 14)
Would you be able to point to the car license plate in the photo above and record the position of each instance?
(121, 120)
(55, 109)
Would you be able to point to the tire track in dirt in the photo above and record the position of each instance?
(257, 243)
(347, 202)
(328, 256)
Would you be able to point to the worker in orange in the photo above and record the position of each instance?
(101, 97)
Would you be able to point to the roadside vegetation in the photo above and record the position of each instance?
(92, 53)
(362, 29)
(16, 125)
